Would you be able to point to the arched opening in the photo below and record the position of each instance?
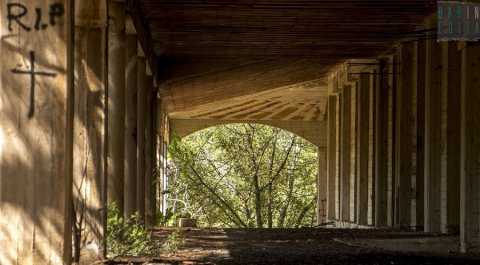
(243, 175)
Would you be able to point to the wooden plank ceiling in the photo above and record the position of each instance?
(196, 40)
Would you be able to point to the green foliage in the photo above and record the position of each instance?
(166, 219)
(244, 175)
(174, 241)
(128, 237)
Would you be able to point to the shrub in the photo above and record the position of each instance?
(128, 237)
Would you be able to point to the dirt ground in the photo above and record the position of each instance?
(301, 246)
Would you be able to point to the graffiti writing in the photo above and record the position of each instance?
(18, 14)
(32, 73)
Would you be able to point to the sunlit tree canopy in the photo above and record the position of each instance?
(244, 175)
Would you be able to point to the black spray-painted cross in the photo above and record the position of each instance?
(32, 74)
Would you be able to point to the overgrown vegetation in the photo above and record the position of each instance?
(244, 175)
(174, 241)
(128, 237)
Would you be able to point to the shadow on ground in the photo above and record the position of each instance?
(308, 246)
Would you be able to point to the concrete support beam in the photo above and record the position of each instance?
(470, 150)
(353, 152)
(131, 126)
(36, 136)
(142, 86)
(406, 135)
(116, 103)
(345, 154)
(381, 146)
(363, 150)
(371, 147)
(322, 185)
(433, 139)
(417, 203)
(338, 156)
(450, 134)
(89, 130)
(149, 142)
(332, 188)
(392, 70)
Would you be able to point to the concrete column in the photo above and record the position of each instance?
(149, 214)
(371, 147)
(142, 87)
(433, 150)
(381, 146)
(89, 130)
(36, 136)
(322, 184)
(131, 126)
(353, 152)
(116, 103)
(363, 150)
(345, 154)
(152, 200)
(417, 203)
(450, 131)
(331, 157)
(470, 150)
(406, 134)
(338, 157)
(392, 71)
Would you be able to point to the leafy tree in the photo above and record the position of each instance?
(244, 175)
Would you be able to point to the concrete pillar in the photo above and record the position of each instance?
(331, 157)
(322, 183)
(417, 203)
(433, 149)
(371, 147)
(353, 152)
(89, 130)
(470, 150)
(36, 135)
(149, 95)
(338, 157)
(131, 126)
(381, 146)
(450, 131)
(116, 103)
(151, 204)
(406, 134)
(345, 154)
(392, 71)
(142, 87)
(363, 149)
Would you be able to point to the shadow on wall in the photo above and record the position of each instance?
(32, 151)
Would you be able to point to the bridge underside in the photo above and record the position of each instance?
(91, 92)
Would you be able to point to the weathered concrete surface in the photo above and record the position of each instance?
(322, 185)
(332, 190)
(130, 185)
(433, 137)
(405, 135)
(142, 86)
(381, 132)
(363, 149)
(149, 178)
(116, 103)
(35, 149)
(345, 146)
(314, 132)
(89, 129)
(470, 151)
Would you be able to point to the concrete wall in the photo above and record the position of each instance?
(35, 133)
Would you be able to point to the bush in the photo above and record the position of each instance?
(128, 237)
(174, 241)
